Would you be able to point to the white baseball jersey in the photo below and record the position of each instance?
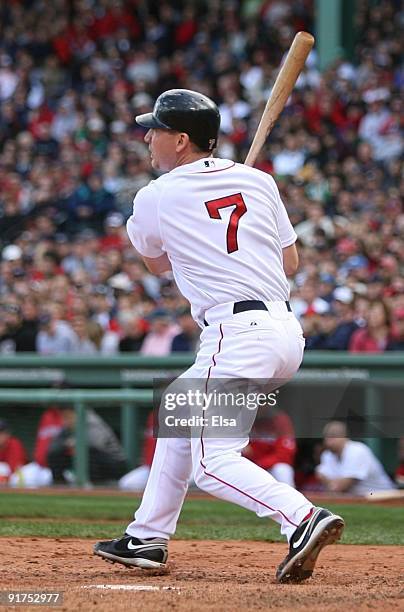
(223, 226)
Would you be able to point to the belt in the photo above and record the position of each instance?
(251, 305)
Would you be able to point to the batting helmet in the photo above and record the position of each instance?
(186, 111)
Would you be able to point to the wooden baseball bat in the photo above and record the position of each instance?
(285, 81)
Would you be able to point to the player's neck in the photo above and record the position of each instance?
(191, 156)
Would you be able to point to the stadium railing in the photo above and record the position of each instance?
(31, 370)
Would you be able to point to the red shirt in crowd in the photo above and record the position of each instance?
(111, 241)
(49, 426)
(399, 474)
(362, 342)
(13, 453)
(272, 441)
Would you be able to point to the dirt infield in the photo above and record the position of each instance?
(204, 576)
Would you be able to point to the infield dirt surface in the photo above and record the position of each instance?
(216, 576)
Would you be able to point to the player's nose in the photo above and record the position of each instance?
(147, 137)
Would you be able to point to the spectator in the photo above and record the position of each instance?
(186, 340)
(290, 159)
(306, 302)
(82, 343)
(12, 452)
(49, 427)
(9, 327)
(113, 237)
(89, 205)
(159, 339)
(332, 330)
(396, 342)
(347, 325)
(55, 336)
(349, 467)
(25, 339)
(106, 457)
(308, 231)
(133, 335)
(374, 338)
(378, 126)
(46, 145)
(8, 78)
(37, 473)
(322, 331)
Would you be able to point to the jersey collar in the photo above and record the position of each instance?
(204, 165)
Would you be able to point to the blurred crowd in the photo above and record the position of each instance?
(74, 73)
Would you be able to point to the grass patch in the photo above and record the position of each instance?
(61, 506)
(106, 517)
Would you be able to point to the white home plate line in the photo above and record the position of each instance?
(129, 587)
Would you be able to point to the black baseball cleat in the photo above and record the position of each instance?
(150, 553)
(321, 528)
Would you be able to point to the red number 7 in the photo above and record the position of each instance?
(236, 200)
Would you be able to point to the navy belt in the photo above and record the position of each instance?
(251, 305)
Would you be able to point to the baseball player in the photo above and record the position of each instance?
(222, 229)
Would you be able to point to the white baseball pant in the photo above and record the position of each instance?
(255, 344)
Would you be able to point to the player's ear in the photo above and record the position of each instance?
(182, 141)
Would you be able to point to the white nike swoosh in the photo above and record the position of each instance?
(141, 546)
(132, 546)
(300, 540)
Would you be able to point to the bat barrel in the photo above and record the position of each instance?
(285, 81)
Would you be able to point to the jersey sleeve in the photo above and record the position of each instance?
(143, 225)
(287, 234)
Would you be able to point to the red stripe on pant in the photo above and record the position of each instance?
(203, 448)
